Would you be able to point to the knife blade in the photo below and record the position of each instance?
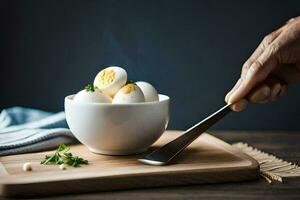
(171, 150)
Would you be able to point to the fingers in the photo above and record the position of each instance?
(259, 50)
(268, 91)
(239, 106)
(255, 84)
(293, 19)
(275, 90)
(259, 60)
(232, 90)
(260, 94)
(257, 73)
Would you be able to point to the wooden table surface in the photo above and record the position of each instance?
(285, 145)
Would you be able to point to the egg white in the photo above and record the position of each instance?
(132, 95)
(148, 90)
(92, 97)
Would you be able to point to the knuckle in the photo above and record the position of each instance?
(245, 68)
(247, 64)
(293, 19)
(256, 67)
(290, 20)
(268, 39)
(255, 70)
(273, 49)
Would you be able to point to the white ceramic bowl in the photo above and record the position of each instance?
(117, 129)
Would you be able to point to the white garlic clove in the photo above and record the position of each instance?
(62, 167)
(27, 166)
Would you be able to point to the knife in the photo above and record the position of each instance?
(171, 150)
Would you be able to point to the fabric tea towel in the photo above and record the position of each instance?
(25, 130)
(272, 169)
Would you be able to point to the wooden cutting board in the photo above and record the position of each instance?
(206, 160)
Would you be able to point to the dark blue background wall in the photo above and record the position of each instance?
(190, 50)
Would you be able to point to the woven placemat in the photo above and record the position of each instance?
(272, 169)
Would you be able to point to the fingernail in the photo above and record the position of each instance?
(283, 90)
(275, 91)
(240, 105)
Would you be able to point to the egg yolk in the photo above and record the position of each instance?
(106, 76)
(128, 88)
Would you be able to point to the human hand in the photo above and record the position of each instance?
(270, 69)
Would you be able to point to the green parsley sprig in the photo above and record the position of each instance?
(130, 82)
(89, 88)
(63, 156)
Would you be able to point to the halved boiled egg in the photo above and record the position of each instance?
(110, 80)
(148, 90)
(129, 93)
(92, 96)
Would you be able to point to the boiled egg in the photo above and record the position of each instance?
(129, 93)
(110, 80)
(92, 96)
(148, 90)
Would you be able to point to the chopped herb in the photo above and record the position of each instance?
(89, 88)
(74, 161)
(63, 156)
(130, 81)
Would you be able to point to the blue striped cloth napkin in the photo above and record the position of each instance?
(24, 130)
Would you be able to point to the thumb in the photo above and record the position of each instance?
(257, 72)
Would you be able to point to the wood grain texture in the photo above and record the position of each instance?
(207, 160)
(284, 144)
